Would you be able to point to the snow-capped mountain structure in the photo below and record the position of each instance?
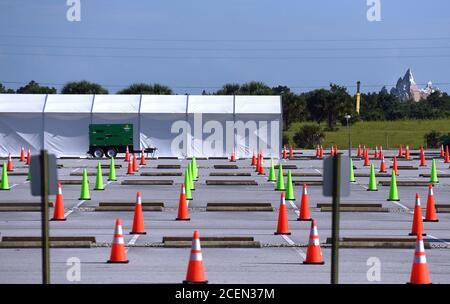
(407, 89)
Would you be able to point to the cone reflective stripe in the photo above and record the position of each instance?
(372, 179)
(400, 151)
(280, 179)
(183, 213)
(417, 225)
(289, 187)
(272, 177)
(58, 212)
(112, 170)
(28, 162)
(142, 163)
(187, 181)
(195, 272)
(382, 166)
(22, 154)
(118, 253)
(423, 162)
(130, 170)
(4, 185)
(135, 163)
(291, 152)
(393, 193)
(314, 253)
(407, 156)
(442, 151)
(10, 164)
(99, 178)
(433, 176)
(282, 226)
(304, 214)
(195, 168)
(394, 166)
(431, 215)
(359, 151)
(352, 172)
(419, 271)
(84, 194)
(127, 154)
(138, 220)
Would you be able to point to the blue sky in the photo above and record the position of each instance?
(195, 44)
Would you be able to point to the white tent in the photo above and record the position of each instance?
(177, 125)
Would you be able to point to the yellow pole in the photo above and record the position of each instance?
(358, 97)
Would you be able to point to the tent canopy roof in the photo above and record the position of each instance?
(59, 103)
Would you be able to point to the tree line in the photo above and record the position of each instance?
(327, 106)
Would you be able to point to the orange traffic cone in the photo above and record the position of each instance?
(314, 253)
(304, 214)
(22, 154)
(58, 213)
(366, 159)
(291, 152)
(417, 225)
(233, 157)
(284, 152)
(335, 150)
(183, 213)
(118, 254)
(28, 162)
(195, 272)
(400, 151)
(9, 166)
(407, 156)
(375, 154)
(317, 151)
(419, 271)
(142, 163)
(258, 162)
(447, 156)
(282, 227)
(394, 166)
(135, 163)
(332, 151)
(253, 160)
(359, 151)
(321, 152)
(381, 154)
(431, 215)
(130, 170)
(138, 221)
(127, 154)
(442, 151)
(262, 170)
(382, 166)
(423, 162)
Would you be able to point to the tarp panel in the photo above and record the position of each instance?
(258, 104)
(22, 103)
(20, 130)
(163, 104)
(116, 104)
(210, 104)
(69, 104)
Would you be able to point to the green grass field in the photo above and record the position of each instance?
(389, 134)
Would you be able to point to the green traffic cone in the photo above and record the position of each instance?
(4, 185)
(280, 179)
(290, 188)
(112, 170)
(372, 179)
(393, 193)
(272, 177)
(191, 177)
(433, 177)
(187, 185)
(352, 173)
(99, 178)
(84, 195)
(194, 166)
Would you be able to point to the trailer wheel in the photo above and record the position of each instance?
(98, 153)
(111, 152)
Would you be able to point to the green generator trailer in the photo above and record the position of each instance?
(110, 139)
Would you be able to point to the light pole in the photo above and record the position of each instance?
(347, 117)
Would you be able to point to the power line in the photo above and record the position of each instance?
(70, 37)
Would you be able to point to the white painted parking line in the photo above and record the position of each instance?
(132, 241)
(295, 207)
(298, 250)
(14, 185)
(72, 209)
(75, 170)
